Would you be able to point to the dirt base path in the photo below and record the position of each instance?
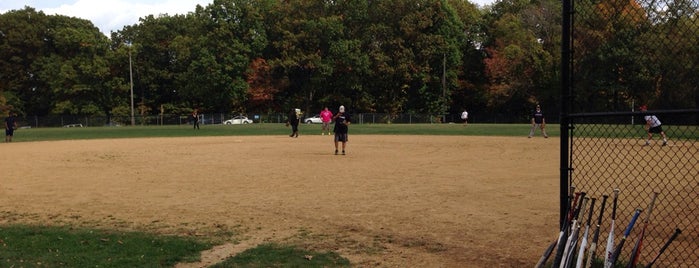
(392, 201)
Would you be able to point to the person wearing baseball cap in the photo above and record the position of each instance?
(342, 120)
(653, 125)
(538, 121)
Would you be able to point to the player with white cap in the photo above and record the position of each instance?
(342, 120)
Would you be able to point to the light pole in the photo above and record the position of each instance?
(133, 120)
(444, 86)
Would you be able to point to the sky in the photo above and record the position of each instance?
(113, 15)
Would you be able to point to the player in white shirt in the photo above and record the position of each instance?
(653, 125)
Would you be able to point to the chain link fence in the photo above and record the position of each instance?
(623, 54)
(612, 151)
(220, 118)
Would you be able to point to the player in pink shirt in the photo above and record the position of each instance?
(326, 116)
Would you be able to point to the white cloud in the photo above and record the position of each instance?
(112, 15)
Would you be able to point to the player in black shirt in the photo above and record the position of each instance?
(342, 120)
(538, 121)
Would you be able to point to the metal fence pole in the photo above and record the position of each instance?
(565, 96)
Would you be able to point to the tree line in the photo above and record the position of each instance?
(431, 57)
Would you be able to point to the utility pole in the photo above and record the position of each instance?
(444, 85)
(133, 119)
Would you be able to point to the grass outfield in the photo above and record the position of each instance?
(48, 134)
(553, 130)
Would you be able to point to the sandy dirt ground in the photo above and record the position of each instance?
(392, 201)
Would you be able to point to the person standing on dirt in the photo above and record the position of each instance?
(10, 126)
(326, 116)
(653, 125)
(342, 120)
(538, 121)
(293, 120)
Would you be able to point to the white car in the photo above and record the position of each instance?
(313, 120)
(238, 120)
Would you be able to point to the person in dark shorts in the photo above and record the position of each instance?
(538, 121)
(342, 120)
(293, 120)
(464, 116)
(653, 125)
(10, 126)
(194, 117)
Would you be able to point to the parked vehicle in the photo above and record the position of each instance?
(313, 120)
(238, 120)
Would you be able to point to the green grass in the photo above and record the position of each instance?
(48, 134)
(515, 130)
(272, 255)
(49, 246)
(61, 246)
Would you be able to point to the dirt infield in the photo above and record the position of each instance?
(392, 201)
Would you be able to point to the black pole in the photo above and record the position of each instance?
(565, 107)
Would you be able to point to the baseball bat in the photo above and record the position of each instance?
(595, 237)
(573, 236)
(672, 238)
(566, 231)
(609, 251)
(566, 221)
(547, 253)
(617, 250)
(549, 249)
(636, 252)
(583, 244)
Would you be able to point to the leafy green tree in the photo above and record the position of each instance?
(409, 44)
(436, 44)
(21, 44)
(467, 91)
(302, 34)
(395, 56)
(521, 63)
(636, 52)
(155, 63)
(234, 36)
(670, 41)
(76, 68)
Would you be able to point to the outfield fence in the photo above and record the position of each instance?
(616, 56)
(219, 118)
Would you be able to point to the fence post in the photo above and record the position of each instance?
(565, 99)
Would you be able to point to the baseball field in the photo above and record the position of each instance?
(392, 201)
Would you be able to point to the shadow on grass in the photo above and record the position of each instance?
(51, 246)
(273, 255)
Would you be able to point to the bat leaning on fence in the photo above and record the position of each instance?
(573, 237)
(636, 252)
(620, 246)
(566, 232)
(595, 236)
(566, 222)
(583, 244)
(672, 238)
(609, 251)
